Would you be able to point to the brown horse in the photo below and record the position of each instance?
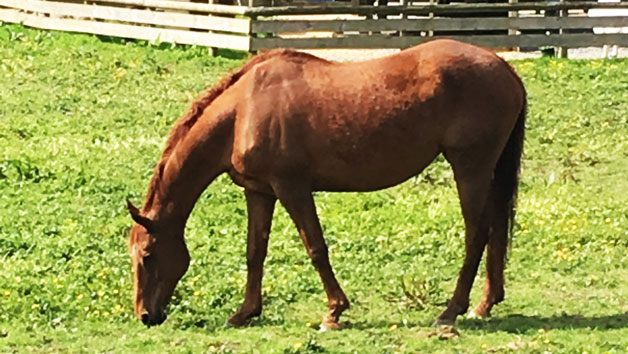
(289, 123)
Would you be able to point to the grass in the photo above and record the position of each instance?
(83, 120)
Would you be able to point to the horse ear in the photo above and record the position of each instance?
(138, 217)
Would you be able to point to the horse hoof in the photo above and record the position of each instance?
(237, 321)
(478, 314)
(445, 332)
(328, 325)
(231, 324)
(474, 315)
(442, 322)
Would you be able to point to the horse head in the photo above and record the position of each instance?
(159, 259)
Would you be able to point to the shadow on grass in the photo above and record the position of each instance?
(516, 323)
(231, 54)
(513, 323)
(521, 323)
(365, 325)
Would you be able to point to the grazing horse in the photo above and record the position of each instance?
(289, 123)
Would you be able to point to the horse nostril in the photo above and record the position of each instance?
(145, 319)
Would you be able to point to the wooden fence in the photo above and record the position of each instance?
(254, 25)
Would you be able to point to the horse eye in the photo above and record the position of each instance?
(146, 259)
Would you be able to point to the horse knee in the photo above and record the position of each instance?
(318, 254)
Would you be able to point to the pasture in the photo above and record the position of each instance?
(84, 119)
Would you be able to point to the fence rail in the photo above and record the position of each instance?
(343, 24)
(154, 20)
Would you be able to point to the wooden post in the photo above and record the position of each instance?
(561, 52)
(251, 35)
(404, 4)
(513, 14)
(430, 33)
(211, 51)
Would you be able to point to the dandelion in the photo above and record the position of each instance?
(562, 254)
(7, 293)
(80, 296)
(308, 324)
(394, 327)
(484, 346)
(197, 293)
(119, 73)
(297, 346)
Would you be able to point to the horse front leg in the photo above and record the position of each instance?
(298, 201)
(260, 208)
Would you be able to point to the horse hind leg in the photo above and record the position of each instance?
(260, 209)
(495, 261)
(473, 174)
(500, 217)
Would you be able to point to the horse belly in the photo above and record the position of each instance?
(370, 168)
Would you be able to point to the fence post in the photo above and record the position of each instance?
(430, 33)
(513, 14)
(562, 51)
(404, 5)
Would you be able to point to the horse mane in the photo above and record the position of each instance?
(183, 125)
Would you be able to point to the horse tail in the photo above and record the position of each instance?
(506, 175)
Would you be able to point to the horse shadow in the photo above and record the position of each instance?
(518, 323)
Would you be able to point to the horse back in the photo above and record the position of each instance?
(369, 125)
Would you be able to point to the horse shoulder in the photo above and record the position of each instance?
(265, 116)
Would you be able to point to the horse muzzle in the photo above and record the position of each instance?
(153, 320)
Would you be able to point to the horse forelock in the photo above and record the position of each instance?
(187, 121)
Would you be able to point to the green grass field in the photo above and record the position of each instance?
(83, 120)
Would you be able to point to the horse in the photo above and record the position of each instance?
(289, 123)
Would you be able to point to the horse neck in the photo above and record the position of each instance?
(201, 156)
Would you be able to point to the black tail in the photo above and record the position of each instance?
(506, 176)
